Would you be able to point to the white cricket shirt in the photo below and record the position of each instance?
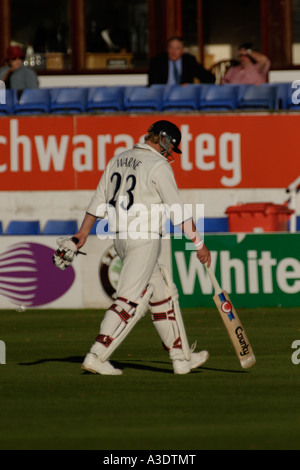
(138, 192)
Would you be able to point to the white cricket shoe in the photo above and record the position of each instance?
(184, 367)
(93, 364)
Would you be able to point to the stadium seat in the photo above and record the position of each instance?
(33, 101)
(181, 97)
(60, 227)
(23, 227)
(285, 94)
(220, 97)
(145, 99)
(212, 225)
(94, 228)
(257, 97)
(1, 228)
(105, 99)
(293, 97)
(54, 92)
(11, 99)
(68, 100)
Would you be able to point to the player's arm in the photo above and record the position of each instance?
(95, 210)
(68, 248)
(203, 253)
(85, 229)
(168, 190)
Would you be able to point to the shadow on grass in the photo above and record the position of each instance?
(119, 365)
(134, 364)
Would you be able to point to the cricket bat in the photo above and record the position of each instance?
(233, 324)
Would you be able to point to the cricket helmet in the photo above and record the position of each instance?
(169, 131)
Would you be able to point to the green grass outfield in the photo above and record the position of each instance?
(47, 402)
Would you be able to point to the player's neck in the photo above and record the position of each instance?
(156, 147)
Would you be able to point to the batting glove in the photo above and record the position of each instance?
(67, 250)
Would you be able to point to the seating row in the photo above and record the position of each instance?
(193, 97)
(69, 227)
(33, 227)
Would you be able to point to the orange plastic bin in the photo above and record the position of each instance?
(256, 217)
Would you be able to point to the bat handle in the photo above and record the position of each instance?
(213, 279)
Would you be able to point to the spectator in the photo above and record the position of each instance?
(176, 66)
(252, 69)
(15, 74)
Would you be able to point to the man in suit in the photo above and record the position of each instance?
(176, 66)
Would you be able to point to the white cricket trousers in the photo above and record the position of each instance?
(140, 267)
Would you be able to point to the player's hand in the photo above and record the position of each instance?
(203, 255)
(81, 239)
(66, 252)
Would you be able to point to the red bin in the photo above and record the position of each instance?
(260, 216)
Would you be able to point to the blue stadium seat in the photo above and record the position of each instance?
(293, 96)
(181, 97)
(8, 107)
(68, 100)
(145, 99)
(215, 224)
(285, 94)
(33, 101)
(94, 228)
(54, 92)
(220, 97)
(212, 225)
(105, 99)
(60, 227)
(1, 228)
(23, 227)
(257, 97)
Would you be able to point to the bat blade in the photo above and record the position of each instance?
(235, 330)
